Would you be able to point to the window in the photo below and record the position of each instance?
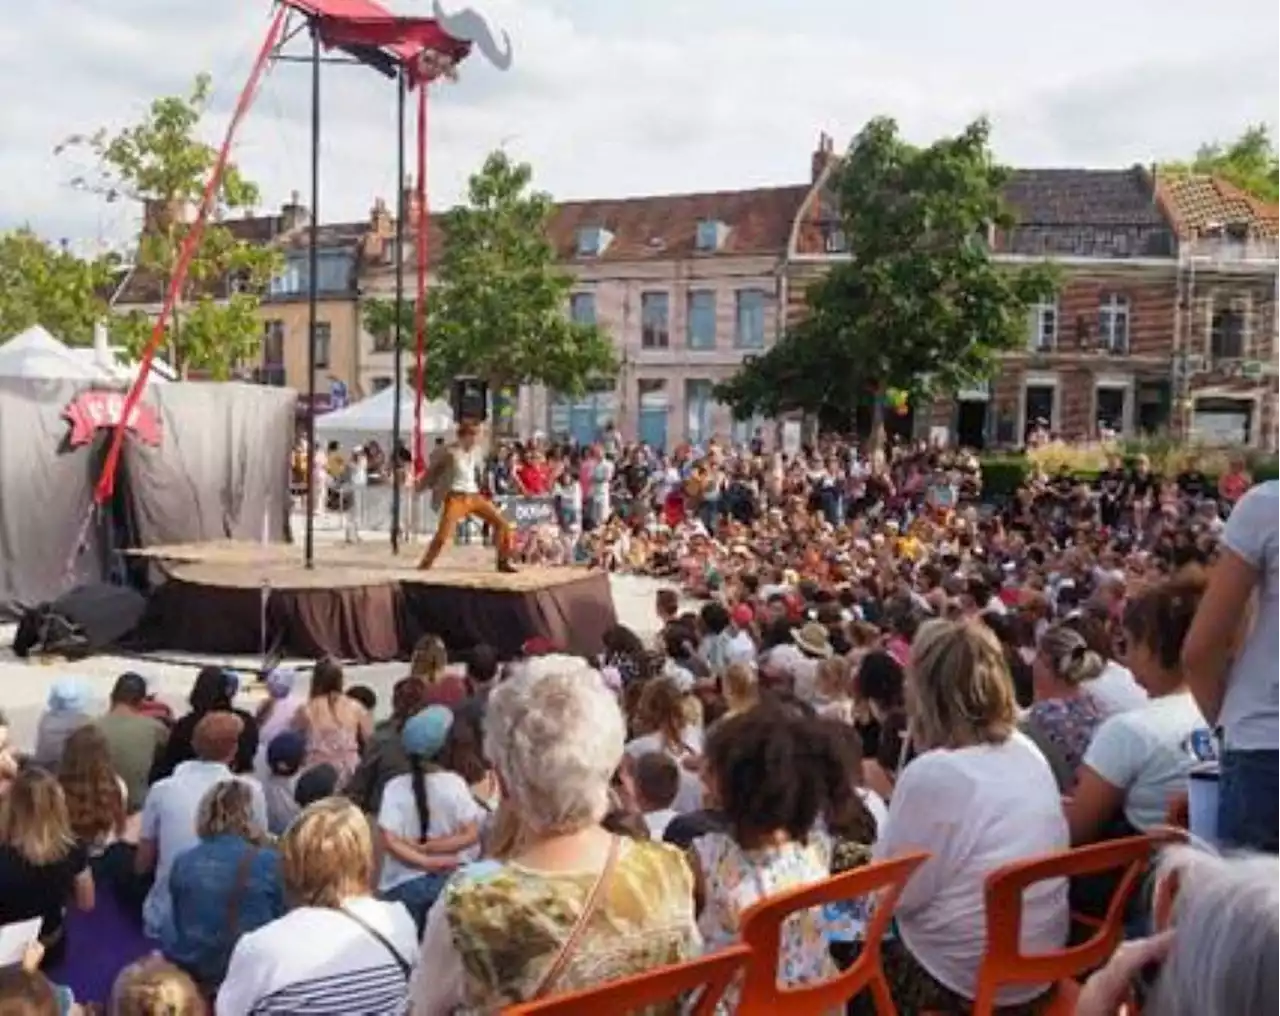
(1113, 324)
(1042, 327)
(1109, 409)
(749, 319)
(1040, 407)
(333, 272)
(1226, 335)
(289, 281)
(322, 345)
(582, 308)
(709, 234)
(592, 241)
(697, 405)
(702, 319)
(273, 343)
(833, 241)
(655, 316)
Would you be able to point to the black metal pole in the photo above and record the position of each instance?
(398, 352)
(313, 265)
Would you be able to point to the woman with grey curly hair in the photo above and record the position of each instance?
(227, 884)
(567, 904)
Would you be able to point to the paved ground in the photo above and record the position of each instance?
(24, 685)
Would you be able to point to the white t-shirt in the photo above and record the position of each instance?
(657, 821)
(1147, 753)
(689, 796)
(450, 807)
(875, 805)
(975, 809)
(465, 467)
(1115, 689)
(315, 961)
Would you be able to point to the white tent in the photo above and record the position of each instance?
(35, 354)
(374, 418)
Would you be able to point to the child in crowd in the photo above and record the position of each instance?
(365, 695)
(284, 759)
(657, 780)
(154, 987)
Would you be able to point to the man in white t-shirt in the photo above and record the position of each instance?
(172, 804)
(454, 478)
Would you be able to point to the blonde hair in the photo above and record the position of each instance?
(155, 987)
(34, 819)
(1069, 655)
(833, 677)
(328, 854)
(959, 690)
(741, 687)
(227, 810)
(430, 657)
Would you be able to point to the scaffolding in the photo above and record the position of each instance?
(1222, 254)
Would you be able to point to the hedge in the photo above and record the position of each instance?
(1004, 474)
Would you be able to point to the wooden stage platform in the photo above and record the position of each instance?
(362, 603)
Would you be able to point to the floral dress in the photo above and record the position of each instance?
(736, 878)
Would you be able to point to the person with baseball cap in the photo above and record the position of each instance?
(453, 475)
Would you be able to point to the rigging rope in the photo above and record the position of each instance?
(420, 304)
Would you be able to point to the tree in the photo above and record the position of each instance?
(162, 163)
(919, 307)
(1249, 162)
(50, 286)
(380, 322)
(498, 309)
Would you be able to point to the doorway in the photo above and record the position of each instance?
(971, 424)
(1039, 410)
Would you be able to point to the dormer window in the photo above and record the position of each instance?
(593, 241)
(710, 235)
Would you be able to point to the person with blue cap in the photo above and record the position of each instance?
(429, 819)
(67, 712)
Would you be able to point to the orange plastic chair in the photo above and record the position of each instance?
(762, 931)
(666, 984)
(1004, 963)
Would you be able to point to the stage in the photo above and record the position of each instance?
(360, 602)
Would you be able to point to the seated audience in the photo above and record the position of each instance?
(1063, 717)
(277, 713)
(336, 726)
(656, 778)
(338, 950)
(213, 692)
(154, 987)
(566, 904)
(133, 737)
(661, 714)
(226, 885)
(279, 788)
(66, 712)
(383, 758)
(977, 796)
(1138, 760)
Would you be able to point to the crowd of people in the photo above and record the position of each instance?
(876, 662)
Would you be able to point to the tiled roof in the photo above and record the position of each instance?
(1195, 202)
(665, 227)
(332, 236)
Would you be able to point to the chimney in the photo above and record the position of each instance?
(823, 154)
(293, 213)
(382, 228)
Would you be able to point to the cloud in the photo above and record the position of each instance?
(610, 98)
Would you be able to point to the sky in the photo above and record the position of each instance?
(607, 98)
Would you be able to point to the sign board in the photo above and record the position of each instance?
(90, 411)
(528, 512)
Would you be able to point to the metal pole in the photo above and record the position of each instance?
(398, 352)
(313, 266)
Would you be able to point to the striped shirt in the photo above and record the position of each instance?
(315, 961)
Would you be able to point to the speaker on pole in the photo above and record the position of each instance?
(470, 399)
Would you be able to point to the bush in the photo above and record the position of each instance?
(1003, 474)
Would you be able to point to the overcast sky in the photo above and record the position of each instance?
(617, 97)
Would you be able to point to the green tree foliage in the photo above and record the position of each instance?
(498, 306)
(380, 322)
(163, 163)
(1249, 162)
(919, 306)
(46, 285)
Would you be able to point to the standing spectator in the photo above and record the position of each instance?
(359, 951)
(66, 713)
(228, 884)
(133, 738)
(41, 864)
(1236, 685)
(979, 795)
(169, 814)
(213, 691)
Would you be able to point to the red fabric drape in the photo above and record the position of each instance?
(420, 305)
(106, 482)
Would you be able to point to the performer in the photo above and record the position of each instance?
(453, 474)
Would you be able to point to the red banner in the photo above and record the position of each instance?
(89, 411)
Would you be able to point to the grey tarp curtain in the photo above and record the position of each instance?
(45, 494)
(221, 471)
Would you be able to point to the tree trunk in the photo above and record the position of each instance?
(876, 442)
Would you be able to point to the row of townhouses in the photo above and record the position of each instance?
(1165, 318)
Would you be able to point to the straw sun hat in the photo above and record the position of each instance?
(812, 640)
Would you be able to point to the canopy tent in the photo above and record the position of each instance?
(36, 355)
(374, 417)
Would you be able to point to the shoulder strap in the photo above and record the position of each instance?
(589, 909)
(382, 940)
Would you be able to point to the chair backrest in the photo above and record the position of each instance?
(711, 974)
(1004, 963)
(762, 931)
